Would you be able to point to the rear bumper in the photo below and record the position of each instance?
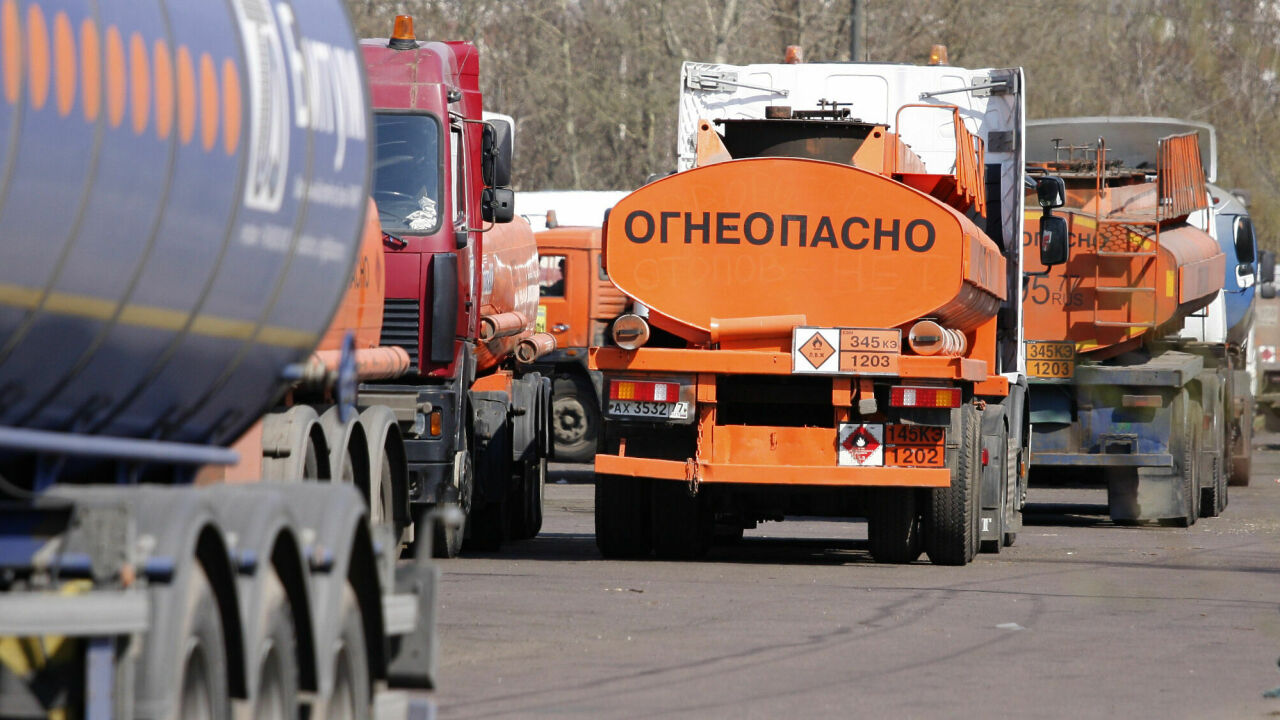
(788, 475)
(1062, 459)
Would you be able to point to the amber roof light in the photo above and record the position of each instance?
(402, 37)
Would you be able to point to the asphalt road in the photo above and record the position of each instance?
(1081, 618)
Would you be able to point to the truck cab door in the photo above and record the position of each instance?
(563, 286)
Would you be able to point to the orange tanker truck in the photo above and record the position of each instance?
(825, 323)
(1116, 395)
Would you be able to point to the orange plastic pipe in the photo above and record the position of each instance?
(767, 326)
(379, 363)
(502, 325)
(534, 347)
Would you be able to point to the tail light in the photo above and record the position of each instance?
(644, 390)
(924, 397)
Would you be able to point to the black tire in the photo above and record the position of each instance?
(575, 419)
(487, 527)
(951, 530)
(276, 655)
(1241, 469)
(1270, 418)
(202, 682)
(446, 541)
(351, 698)
(893, 526)
(1241, 449)
(624, 527)
(682, 527)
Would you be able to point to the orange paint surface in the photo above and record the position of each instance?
(116, 83)
(164, 89)
(186, 95)
(208, 102)
(825, 474)
(139, 83)
(1156, 283)
(38, 56)
(90, 70)
(725, 241)
(231, 107)
(360, 311)
(11, 49)
(64, 63)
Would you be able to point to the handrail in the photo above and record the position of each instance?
(971, 151)
(1180, 180)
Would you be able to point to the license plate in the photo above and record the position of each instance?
(656, 410)
(1051, 359)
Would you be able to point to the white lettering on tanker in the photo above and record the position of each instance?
(268, 112)
(326, 87)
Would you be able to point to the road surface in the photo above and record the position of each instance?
(1081, 618)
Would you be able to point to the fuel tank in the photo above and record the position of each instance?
(785, 236)
(182, 191)
(1123, 283)
(509, 276)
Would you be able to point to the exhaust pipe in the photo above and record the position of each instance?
(501, 325)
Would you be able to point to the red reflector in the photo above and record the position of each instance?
(929, 397)
(985, 458)
(644, 391)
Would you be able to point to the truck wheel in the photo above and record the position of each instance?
(1271, 418)
(624, 514)
(446, 541)
(525, 499)
(893, 526)
(488, 527)
(1212, 499)
(682, 527)
(951, 534)
(1241, 453)
(1241, 468)
(203, 682)
(351, 698)
(575, 420)
(276, 654)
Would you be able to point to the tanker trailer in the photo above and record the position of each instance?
(461, 295)
(179, 218)
(1113, 387)
(827, 323)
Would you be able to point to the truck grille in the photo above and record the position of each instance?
(400, 326)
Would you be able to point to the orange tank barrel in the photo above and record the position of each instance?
(765, 237)
(509, 271)
(502, 325)
(535, 346)
(755, 328)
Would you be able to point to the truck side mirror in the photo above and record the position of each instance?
(1244, 241)
(1266, 267)
(498, 205)
(1051, 191)
(495, 165)
(1054, 237)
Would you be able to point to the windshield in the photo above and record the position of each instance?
(406, 175)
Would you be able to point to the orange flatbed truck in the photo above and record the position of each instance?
(826, 322)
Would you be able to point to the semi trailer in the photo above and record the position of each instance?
(828, 314)
(1119, 395)
(182, 206)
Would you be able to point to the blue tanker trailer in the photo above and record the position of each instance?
(182, 191)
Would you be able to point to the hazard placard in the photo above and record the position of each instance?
(860, 444)
(845, 351)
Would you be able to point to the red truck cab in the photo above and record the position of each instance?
(441, 177)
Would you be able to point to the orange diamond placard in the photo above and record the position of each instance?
(817, 350)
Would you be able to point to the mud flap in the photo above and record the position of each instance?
(1146, 495)
(992, 492)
